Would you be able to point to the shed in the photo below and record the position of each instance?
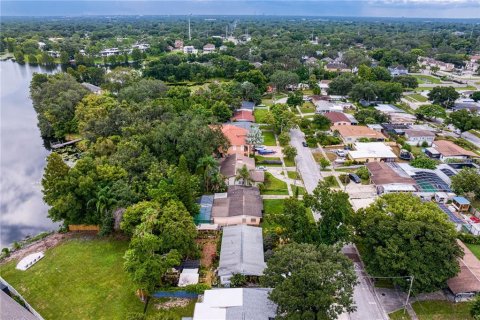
(461, 204)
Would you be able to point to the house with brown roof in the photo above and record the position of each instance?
(239, 205)
(467, 282)
(230, 165)
(337, 66)
(338, 118)
(243, 115)
(237, 138)
(417, 137)
(208, 48)
(449, 150)
(351, 134)
(387, 180)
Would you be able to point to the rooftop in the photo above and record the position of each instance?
(388, 108)
(450, 149)
(382, 173)
(335, 116)
(468, 279)
(358, 131)
(243, 115)
(371, 150)
(238, 201)
(12, 310)
(234, 134)
(419, 133)
(241, 251)
(248, 105)
(461, 200)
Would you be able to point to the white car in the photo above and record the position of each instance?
(341, 153)
(263, 168)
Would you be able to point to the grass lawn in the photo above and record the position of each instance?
(442, 310)
(273, 185)
(475, 248)
(260, 115)
(301, 190)
(293, 175)
(289, 162)
(418, 97)
(80, 279)
(399, 315)
(269, 138)
(271, 207)
(307, 107)
(427, 79)
(332, 182)
(456, 88)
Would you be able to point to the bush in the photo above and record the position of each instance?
(324, 163)
(469, 238)
(238, 280)
(284, 139)
(330, 181)
(363, 173)
(197, 288)
(475, 309)
(424, 162)
(424, 144)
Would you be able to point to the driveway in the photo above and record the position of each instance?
(308, 168)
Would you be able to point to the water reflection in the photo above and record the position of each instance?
(22, 157)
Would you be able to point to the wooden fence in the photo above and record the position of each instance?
(83, 227)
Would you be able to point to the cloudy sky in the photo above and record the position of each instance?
(363, 8)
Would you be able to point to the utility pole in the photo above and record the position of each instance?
(408, 295)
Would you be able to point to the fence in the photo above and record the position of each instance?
(15, 292)
(83, 227)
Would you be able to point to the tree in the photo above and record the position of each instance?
(342, 84)
(282, 119)
(137, 55)
(238, 280)
(184, 186)
(321, 122)
(430, 111)
(475, 308)
(424, 162)
(295, 99)
(476, 96)
(467, 182)
(464, 120)
(368, 116)
(143, 90)
(54, 181)
(324, 163)
(254, 137)
(290, 152)
(221, 110)
(335, 213)
(402, 236)
(208, 168)
(281, 79)
(310, 282)
(406, 81)
(444, 96)
(19, 57)
(243, 175)
(363, 173)
(32, 59)
(284, 139)
(295, 225)
(364, 90)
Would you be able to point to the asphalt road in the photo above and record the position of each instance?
(368, 306)
(472, 138)
(306, 165)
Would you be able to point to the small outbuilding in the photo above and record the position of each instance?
(461, 204)
(30, 260)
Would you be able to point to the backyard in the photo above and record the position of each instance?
(82, 278)
(260, 115)
(272, 207)
(269, 138)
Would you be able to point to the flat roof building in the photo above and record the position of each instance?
(388, 180)
(372, 152)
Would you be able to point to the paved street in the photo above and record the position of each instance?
(472, 138)
(368, 304)
(306, 164)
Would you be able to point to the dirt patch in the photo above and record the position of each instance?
(172, 303)
(209, 251)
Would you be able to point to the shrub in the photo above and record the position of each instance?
(424, 144)
(324, 163)
(284, 139)
(344, 178)
(329, 181)
(424, 162)
(16, 245)
(197, 288)
(363, 173)
(238, 280)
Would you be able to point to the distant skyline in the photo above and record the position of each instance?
(457, 9)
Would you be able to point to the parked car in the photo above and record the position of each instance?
(304, 144)
(263, 168)
(354, 177)
(341, 153)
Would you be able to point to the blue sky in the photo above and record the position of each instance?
(360, 8)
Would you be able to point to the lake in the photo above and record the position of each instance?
(22, 157)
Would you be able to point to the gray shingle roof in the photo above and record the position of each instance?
(11, 310)
(241, 251)
(240, 201)
(256, 306)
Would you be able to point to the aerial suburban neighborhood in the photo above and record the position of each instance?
(202, 167)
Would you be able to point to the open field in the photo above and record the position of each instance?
(418, 97)
(427, 79)
(81, 278)
(436, 310)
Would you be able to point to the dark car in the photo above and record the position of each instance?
(304, 144)
(354, 177)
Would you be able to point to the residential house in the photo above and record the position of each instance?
(312, 61)
(402, 118)
(338, 118)
(466, 283)
(419, 137)
(178, 44)
(237, 138)
(371, 152)
(241, 252)
(53, 54)
(230, 165)
(351, 134)
(430, 62)
(141, 46)
(235, 304)
(239, 205)
(243, 115)
(324, 85)
(110, 52)
(395, 129)
(323, 106)
(337, 66)
(388, 180)
(93, 88)
(190, 50)
(247, 105)
(447, 150)
(208, 48)
(468, 104)
(397, 70)
(257, 65)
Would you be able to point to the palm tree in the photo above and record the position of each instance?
(208, 167)
(243, 174)
(103, 201)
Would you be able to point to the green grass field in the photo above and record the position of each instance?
(289, 162)
(271, 208)
(273, 185)
(307, 107)
(427, 79)
(269, 138)
(293, 175)
(475, 248)
(81, 279)
(301, 190)
(260, 115)
(436, 310)
(418, 97)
